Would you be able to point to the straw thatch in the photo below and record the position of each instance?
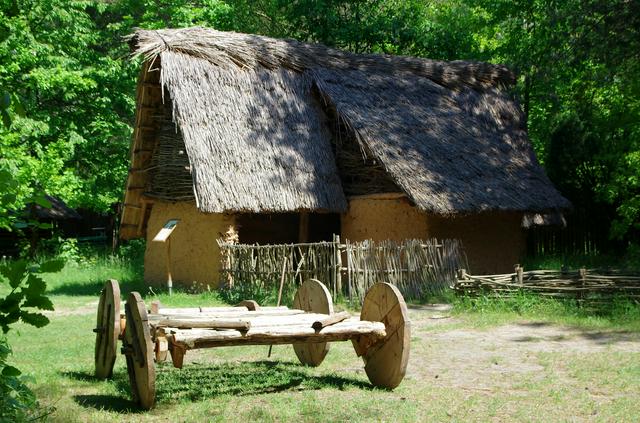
(256, 115)
(57, 211)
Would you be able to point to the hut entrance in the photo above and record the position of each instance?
(287, 228)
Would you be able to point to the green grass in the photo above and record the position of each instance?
(241, 383)
(617, 313)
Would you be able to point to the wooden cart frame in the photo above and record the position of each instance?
(380, 335)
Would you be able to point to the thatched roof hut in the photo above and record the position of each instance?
(253, 124)
(239, 123)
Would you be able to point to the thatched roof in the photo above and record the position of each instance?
(57, 211)
(253, 111)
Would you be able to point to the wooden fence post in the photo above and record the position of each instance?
(337, 265)
(520, 274)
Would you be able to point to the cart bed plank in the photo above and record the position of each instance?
(207, 338)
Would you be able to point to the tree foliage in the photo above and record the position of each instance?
(67, 84)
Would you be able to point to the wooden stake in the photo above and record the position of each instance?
(169, 281)
(284, 268)
(303, 227)
(520, 274)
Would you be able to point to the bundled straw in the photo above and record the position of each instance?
(255, 115)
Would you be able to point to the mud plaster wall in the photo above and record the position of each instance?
(493, 242)
(382, 218)
(195, 255)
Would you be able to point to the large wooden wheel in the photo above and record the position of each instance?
(107, 329)
(139, 350)
(312, 296)
(386, 361)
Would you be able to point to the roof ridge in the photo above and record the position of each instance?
(228, 49)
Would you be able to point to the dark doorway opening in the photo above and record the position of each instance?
(287, 228)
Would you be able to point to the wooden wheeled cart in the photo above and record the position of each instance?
(380, 335)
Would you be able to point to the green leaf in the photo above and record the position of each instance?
(8, 198)
(14, 272)
(35, 319)
(18, 108)
(35, 286)
(10, 371)
(52, 266)
(11, 303)
(40, 302)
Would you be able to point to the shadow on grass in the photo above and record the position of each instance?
(569, 333)
(201, 382)
(119, 403)
(94, 287)
(113, 403)
(197, 382)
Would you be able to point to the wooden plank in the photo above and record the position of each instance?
(204, 338)
(238, 314)
(242, 325)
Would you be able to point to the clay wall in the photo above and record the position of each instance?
(382, 216)
(195, 255)
(493, 242)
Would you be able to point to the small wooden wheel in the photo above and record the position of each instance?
(314, 297)
(386, 361)
(107, 329)
(139, 350)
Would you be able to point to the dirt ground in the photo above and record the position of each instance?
(492, 358)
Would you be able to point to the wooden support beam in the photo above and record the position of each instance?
(303, 227)
(143, 214)
(177, 354)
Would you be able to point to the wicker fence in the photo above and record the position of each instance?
(416, 267)
(583, 284)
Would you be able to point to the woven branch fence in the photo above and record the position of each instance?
(416, 267)
(583, 284)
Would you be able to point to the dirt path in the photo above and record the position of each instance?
(486, 359)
